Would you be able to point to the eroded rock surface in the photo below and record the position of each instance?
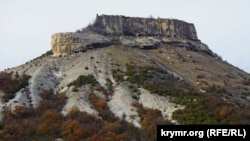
(64, 43)
(135, 26)
(144, 33)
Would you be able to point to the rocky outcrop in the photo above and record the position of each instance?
(145, 33)
(64, 43)
(134, 26)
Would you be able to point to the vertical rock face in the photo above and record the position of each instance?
(133, 26)
(146, 33)
(64, 43)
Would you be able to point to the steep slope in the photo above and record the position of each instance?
(187, 67)
(56, 73)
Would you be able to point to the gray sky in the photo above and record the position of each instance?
(26, 26)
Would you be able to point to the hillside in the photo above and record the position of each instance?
(116, 79)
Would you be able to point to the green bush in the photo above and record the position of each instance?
(197, 111)
(118, 75)
(83, 80)
(154, 79)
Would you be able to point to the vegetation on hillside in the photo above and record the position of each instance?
(83, 80)
(153, 79)
(45, 122)
(199, 108)
(10, 85)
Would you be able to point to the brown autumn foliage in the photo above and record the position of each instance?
(20, 112)
(73, 130)
(7, 84)
(45, 122)
(12, 131)
(99, 104)
(11, 85)
(102, 107)
(119, 130)
(112, 132)
(51, 116)
(98, 87)
(228, 112)
(34, 123)
(150, 119)
(51, 101)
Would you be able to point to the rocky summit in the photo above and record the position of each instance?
(116, 79)
(145, 33)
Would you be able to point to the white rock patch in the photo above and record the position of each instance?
(120, 105)
(161, 103)
(45, 78)
(79, 100)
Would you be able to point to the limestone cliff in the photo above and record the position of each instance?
(146, 33)
(64, 43)
(133, 26)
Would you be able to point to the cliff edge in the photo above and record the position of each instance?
(145, 33)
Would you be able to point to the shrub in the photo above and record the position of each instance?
(196, 113)
(98, 103)
(83, 80)
(200, 76)
(149, 119)
(216, 89)
(10, 86)
(246, 82)
(49, 123)
(1, 126)
(154, 79)
(118, 75)
(13, 131)
(47, 94)
(74, 89)
(97, 87)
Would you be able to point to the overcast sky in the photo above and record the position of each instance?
(26, 26)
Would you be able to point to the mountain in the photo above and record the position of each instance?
(116, 79)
